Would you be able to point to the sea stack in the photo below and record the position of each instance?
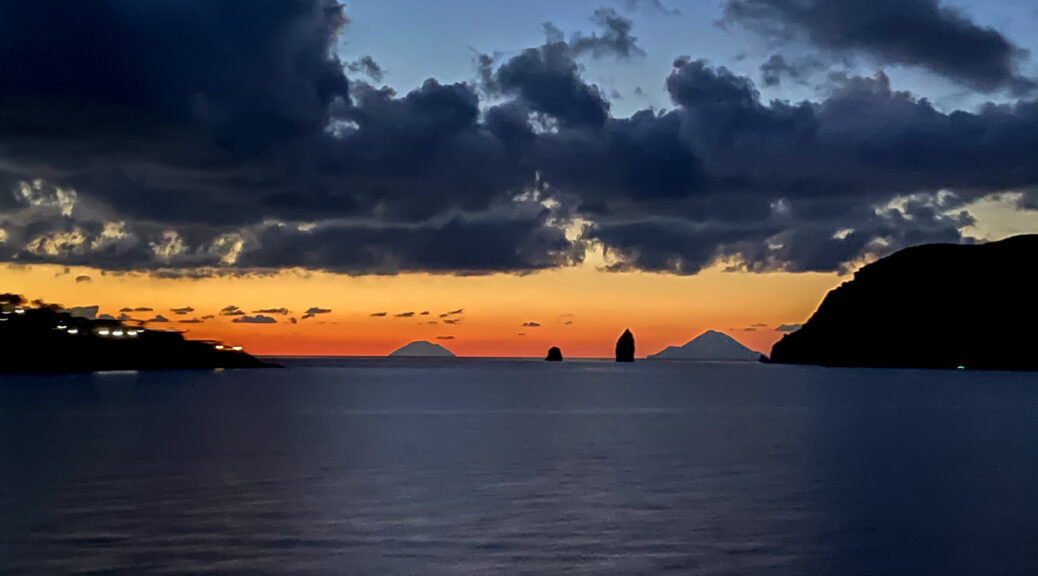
(554, 354)
(625, 347)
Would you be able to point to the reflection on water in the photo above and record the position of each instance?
(478, 467)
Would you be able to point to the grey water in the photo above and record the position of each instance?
(385, 467)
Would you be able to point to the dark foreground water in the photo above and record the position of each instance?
(508, 467)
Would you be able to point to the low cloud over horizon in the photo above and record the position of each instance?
(258, 319)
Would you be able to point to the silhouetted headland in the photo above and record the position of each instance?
(44, 338)
(554, 354)
(709, 346)
(421, 349)
(625, 347)
(931, 306)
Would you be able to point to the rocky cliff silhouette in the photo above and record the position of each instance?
(931, 306)
(625, 347)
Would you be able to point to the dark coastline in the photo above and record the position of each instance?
(45, 339)
(938, 306)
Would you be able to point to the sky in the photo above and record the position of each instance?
(310, 177)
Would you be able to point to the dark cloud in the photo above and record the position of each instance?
(787, 328)
(452, 321)
(315, 311)
(615, 38)
(231, 311)
(531, 324)
(182, 311)
(80, 279)
(809, 186)
(404, 315)
(923, 33)
(445, 337)
(89, 312)
(143, 309)
(293, 320)
(157, 319)
(456, 312)
(258, 319)
(210, 140)
(191, 321)
(276, 311)
(546, 80)
(379, 314)
(208, 317)
(778, 67)
(759, 325)
(424, 313)
(221, 126)
(366, 65)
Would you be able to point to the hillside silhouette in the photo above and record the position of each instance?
(931, 306)
(44, 338)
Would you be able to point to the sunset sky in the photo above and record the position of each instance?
(500, 177)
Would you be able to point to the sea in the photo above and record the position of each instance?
(471, 466)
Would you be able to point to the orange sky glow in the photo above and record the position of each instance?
(582, 310)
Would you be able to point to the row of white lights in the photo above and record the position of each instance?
(118, 333)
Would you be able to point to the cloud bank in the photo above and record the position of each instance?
(197, 139)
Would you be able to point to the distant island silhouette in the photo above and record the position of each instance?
(710, 345)
(421, 349)
(931, 306)
(45, 338)
(625, 347)
(554, 354)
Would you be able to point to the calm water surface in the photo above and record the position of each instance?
(386, 467)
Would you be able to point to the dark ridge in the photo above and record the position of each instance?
(625, 347)
(44, 338)
(554, 354)
(932, 306)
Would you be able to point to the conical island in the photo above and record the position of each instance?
(709, 346)
(554, 354)
(422, 349)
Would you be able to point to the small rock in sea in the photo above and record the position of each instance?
(554, 354)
